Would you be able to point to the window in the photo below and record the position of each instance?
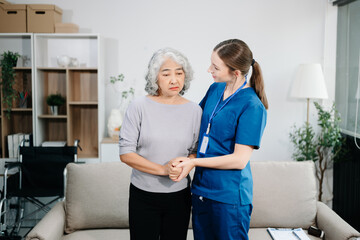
(347, 96)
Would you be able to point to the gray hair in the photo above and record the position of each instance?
(157, 61)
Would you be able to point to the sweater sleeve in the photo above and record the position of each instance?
(197, 121)
(130, 129)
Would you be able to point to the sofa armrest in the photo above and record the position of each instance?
(333, 225)
(51, 227)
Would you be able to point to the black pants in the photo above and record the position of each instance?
(154, 216)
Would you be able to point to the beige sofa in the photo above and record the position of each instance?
(96, 203)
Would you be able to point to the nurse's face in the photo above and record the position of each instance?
(219, 71)
(171, 78)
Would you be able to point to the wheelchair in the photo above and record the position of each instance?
(40, 174)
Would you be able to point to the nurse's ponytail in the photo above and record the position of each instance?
(257, 83)
(237, 56)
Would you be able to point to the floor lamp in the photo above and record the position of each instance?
(309, 84)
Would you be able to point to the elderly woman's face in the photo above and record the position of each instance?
(171, 78)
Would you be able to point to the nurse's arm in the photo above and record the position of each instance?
(142, 164)
(237, 160)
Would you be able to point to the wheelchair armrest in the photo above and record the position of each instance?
(51, 226)
(11, 165)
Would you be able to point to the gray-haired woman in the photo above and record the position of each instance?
(157, 128)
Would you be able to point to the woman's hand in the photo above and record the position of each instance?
(174, 173)
(173, 170)
(186, 164)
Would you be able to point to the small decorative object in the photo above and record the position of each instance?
(23, 99)
(74, 62)
(25, 61)
(323, 148)
(54, 101)
(114, 124)
(7, 64)
(63, 61)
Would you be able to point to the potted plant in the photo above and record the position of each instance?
(54, 101)
(324, 147)
(7, 64)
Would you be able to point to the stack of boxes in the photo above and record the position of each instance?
(33, 18)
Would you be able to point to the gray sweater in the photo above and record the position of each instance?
(159, 132)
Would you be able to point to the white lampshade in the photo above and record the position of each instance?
(309, 82)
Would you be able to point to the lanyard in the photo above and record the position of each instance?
(227, 100)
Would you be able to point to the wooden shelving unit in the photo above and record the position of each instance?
(82, 115)
(20, 120)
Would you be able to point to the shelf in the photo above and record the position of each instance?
(51, 68)
(22, 68)
(19, 110)
(83, 68)
(62, 68)
(109, 141)
(52, 116)
(86, 156)
(83, 103)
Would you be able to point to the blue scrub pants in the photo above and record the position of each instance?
(214, 220)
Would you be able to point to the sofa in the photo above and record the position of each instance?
(96, 204)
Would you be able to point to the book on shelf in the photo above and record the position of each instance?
(287, 234)
(14, 141)
(10, 145)
(17, 139)
(53, 144)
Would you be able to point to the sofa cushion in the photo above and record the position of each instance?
(284, 194)
(113, 234)
(97, 196)
(105, 234)
(262, 234)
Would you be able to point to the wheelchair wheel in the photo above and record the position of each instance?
(13, 215)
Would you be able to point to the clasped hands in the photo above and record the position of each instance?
(178, 168)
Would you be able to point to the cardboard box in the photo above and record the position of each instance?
(41, 18)
(12, 18)
(4, 2)
(66, 28)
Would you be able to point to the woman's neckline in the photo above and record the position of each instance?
(185, 101)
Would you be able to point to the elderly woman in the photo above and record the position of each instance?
(157, 128)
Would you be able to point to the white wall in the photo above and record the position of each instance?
(281, 33)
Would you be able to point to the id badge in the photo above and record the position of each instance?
(204, 144)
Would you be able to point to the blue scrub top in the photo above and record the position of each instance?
(242, 121)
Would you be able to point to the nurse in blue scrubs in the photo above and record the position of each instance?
(232, 124)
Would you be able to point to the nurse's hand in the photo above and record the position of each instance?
(187, 165)
(173, 171)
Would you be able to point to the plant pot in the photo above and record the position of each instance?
(14, 62)
(23, 103)
(54, 110)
